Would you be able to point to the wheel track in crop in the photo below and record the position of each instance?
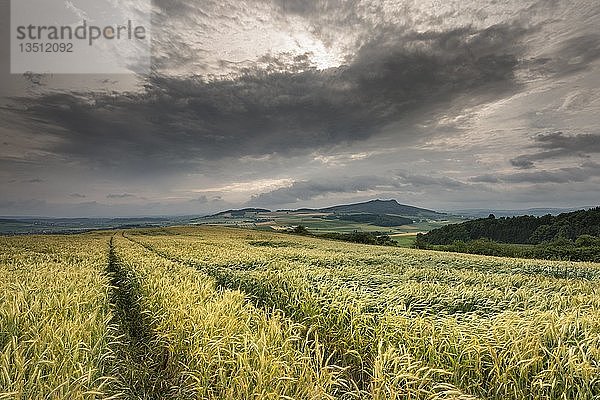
(139, 364)
(352, 359)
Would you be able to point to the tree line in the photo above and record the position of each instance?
(568, 236)
(523, 230)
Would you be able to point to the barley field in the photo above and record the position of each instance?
(220, 313)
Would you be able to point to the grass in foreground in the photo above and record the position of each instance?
(54, 318)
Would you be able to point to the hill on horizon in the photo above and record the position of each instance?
(377, 206)
(241, 212)
(382, 207)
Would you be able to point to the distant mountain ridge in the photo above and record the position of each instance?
(381, 207)
(241, 211)
(377, 207)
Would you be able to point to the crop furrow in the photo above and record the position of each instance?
(140, 363)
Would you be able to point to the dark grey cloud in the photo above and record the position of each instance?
(582, 143)
(442, 182)
(201, 200)
(523, 162)
(120, 196)
(556, 145)
(285, 62)
(582, 173)
(77, 195)
(301, 7)
(575, 54)
(487, 178)
(177, 122)
(339, 14)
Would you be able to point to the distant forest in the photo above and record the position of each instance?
(570, 236)
(522, 230)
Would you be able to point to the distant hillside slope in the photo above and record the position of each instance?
(382, 207)
(241, 212)
(523, 230)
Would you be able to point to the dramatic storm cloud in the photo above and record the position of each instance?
(293, 103)
(556, 145)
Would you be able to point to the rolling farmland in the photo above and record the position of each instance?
(219, 313)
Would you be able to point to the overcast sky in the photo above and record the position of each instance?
(292, 103)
